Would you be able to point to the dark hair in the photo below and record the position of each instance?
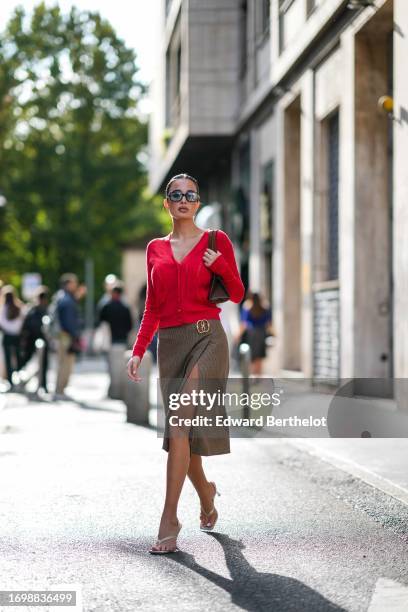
(181, 176)
(117, 288)
(67, 278)
(42, 292)
(258, 305)
(11, 303)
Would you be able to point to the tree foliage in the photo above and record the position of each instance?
(70, 144)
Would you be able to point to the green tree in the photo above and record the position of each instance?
(70, 144)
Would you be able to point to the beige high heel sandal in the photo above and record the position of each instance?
(152, 551)
(210, 513)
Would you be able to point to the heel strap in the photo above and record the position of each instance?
(208, 513)
(215, 489)
(170, 537)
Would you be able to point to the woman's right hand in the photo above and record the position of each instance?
(132, 368)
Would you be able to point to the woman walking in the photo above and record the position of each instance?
(256, 323)
(192, 346)
(11, 321)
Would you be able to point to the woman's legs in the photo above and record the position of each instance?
(256, 366)
(8, 355)
(177, 466)
(181, 462)
(178, 461)
(205, 490)
(19, 356)
(197, 476)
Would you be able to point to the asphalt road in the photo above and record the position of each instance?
(80, 499)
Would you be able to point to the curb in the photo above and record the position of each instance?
(351, 467)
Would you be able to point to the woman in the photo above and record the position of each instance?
(255, 324)
(192, 345)
(33, 329)
(11, 321)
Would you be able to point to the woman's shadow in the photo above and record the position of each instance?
(257, 591)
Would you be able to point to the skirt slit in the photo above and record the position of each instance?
(183, 351)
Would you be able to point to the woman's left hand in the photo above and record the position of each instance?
(210, 256)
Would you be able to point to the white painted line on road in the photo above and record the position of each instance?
(353, 468)
(389, 596)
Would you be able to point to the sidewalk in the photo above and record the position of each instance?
(380, 462)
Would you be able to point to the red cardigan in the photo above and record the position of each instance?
(177, 292)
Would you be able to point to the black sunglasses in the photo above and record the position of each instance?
(177, 196)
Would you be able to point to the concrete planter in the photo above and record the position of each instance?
(136, 394)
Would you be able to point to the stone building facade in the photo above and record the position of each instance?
(277, 107)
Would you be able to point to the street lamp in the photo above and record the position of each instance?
(386, 104)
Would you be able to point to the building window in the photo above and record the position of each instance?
(177, 81)
(242, 206)
(243, 34)
(310, 7)
(173, 78)
(333, 196)
(266, 229)
(284, 5)
(168, 91)
(262, 18)
(291, 13)
(178, 67)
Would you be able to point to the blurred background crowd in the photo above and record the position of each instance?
(53, 322)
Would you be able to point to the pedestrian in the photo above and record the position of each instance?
(108, 283)
(12, 312)
(33, 329)
(192, 346)
(256, 324)
(118, 316)
(101, 339)
(69, 323)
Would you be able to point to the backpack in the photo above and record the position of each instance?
(54, 326)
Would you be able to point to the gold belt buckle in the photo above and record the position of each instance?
(203, 325)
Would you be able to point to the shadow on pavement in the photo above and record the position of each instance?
(255, 591)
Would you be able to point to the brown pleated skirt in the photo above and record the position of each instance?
(179, 349)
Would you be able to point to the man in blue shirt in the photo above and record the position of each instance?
(69, 335)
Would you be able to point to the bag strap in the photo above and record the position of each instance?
(212, 240)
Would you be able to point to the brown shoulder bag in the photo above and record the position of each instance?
(217, 292)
